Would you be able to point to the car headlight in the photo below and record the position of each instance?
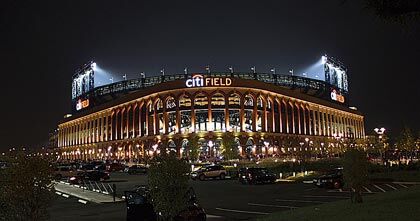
(72, 178)
(244, 177)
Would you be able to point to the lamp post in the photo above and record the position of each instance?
(380, 132)
(210, 144)
(266, 147)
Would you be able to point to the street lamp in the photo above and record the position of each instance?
(210, 144)
(380, 132)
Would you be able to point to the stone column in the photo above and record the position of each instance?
(242, 113)
(227, 126)
(298, 120)
(302, 107)
(293, 117)
(210, 114)
(178, 117)
(279, 103)
(264, 116)
(286, 109)
(140, 121)
(165, 119)
(309, 119)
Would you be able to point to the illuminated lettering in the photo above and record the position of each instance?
(336, 96)
(200, 81)
(82, 104)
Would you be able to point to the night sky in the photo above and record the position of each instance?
(43, 42)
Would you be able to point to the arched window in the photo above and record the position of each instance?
(170, 103)
(160, 119)
(201, 112)
(171, 114)
(185, 112)
(260, 114)
(234, 112)
(248, 116)
(218, 122)
(249, 101)
(200, 101)
(184, 102)
(151, 118)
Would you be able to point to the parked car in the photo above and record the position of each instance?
(137, 169)
(3, 165)
(93, 175)
(256, 175)
(332, 179)
(139, 207)
(211, 171)
(112, 167)
(64, 171)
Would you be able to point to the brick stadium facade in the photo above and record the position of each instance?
(263, 111)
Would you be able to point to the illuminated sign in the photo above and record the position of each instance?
(337, 96)
(82, 104)
(200, 81)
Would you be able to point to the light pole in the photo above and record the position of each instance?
(380, 132)
(210, 144)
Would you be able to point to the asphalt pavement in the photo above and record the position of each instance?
(221, 199)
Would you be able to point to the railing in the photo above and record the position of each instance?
(276, 79)
(98, 187)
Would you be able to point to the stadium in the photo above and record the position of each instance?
(269, 114)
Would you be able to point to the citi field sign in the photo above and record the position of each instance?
(201, 81)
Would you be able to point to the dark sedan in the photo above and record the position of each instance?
(256, 175)
(332, 179)
(137, 169)
(139, 207)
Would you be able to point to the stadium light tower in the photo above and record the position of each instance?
(324, 59)
(93, 65)
(231, 69)
(273, 70)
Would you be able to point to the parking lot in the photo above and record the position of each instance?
(222, 199)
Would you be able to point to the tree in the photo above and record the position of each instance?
(355, 172)
(26, 189)
(168, 182)
(194, 147)
(229, 146)
(406, 141)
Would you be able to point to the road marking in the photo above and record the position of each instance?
(213, 216)
(242, 211)
(82, 201)
(338, 197)
(65, 195)
(390, 186)
(308, 181)
(335, 191)
(300, 201)
(269, 205)
(311, 189)
(58, 193)
(402, 185)
(379, 188)
(368, 190)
